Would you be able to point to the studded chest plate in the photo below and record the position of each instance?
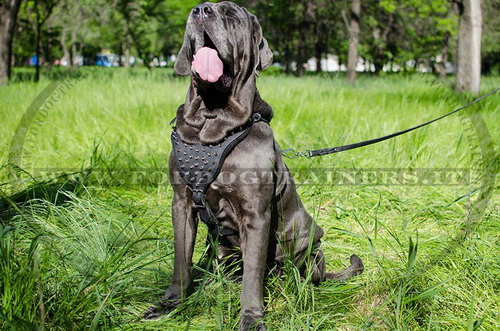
(199, 164)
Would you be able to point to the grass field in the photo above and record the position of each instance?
(85, 230)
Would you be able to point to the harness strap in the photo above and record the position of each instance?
(208, 217)
(199, 166)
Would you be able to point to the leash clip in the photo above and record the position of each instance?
(291, 154)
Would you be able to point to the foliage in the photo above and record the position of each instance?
(403, 33)
(491, 35)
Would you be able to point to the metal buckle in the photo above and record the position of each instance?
(256, 117)
(199, 199)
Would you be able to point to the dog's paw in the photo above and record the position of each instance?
(160, 309)
(256, 326)
(252, 322)
(153, 313)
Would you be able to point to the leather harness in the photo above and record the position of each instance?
(199, 165)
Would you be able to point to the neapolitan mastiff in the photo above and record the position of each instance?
(258, 210)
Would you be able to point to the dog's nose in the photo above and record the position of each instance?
(203, 11)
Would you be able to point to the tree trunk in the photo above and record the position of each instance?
(8, 17)
(442, 67)
(352, 57)
(301, 50)
(47, 51)
(66, 55)
(37, 46)
(288, 59)
(318, 50)
(126, 51)
(319, 43)
(126, 64)
(308, 20)
(74, 52)
(469, 46)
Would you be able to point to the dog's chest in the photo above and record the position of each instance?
(199, 165)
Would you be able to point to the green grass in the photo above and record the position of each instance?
(87, 243)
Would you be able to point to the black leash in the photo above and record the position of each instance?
(291, 154)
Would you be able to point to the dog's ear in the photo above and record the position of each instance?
(184, 59)
(262, 51)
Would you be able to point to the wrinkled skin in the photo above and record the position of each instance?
(262, 204)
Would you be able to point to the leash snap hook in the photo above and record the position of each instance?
(291, 154)
(307, 154)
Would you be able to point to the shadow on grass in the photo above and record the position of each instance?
(49, 190)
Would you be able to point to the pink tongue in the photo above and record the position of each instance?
(207, 64)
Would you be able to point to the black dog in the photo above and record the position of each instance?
(258, 211)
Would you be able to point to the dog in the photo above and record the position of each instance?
(223, 51)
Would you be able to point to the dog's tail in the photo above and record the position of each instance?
(356, 268)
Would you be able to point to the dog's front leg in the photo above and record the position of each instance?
(254, 242)
(185, 224)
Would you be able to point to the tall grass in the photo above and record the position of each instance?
(87, 243)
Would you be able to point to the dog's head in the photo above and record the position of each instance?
(223, 51)
(222, 42)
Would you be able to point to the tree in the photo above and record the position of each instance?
(352, 57)
(490, 47)
(469, 46)
(39, 12)
(381, 32)
(8, 17)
